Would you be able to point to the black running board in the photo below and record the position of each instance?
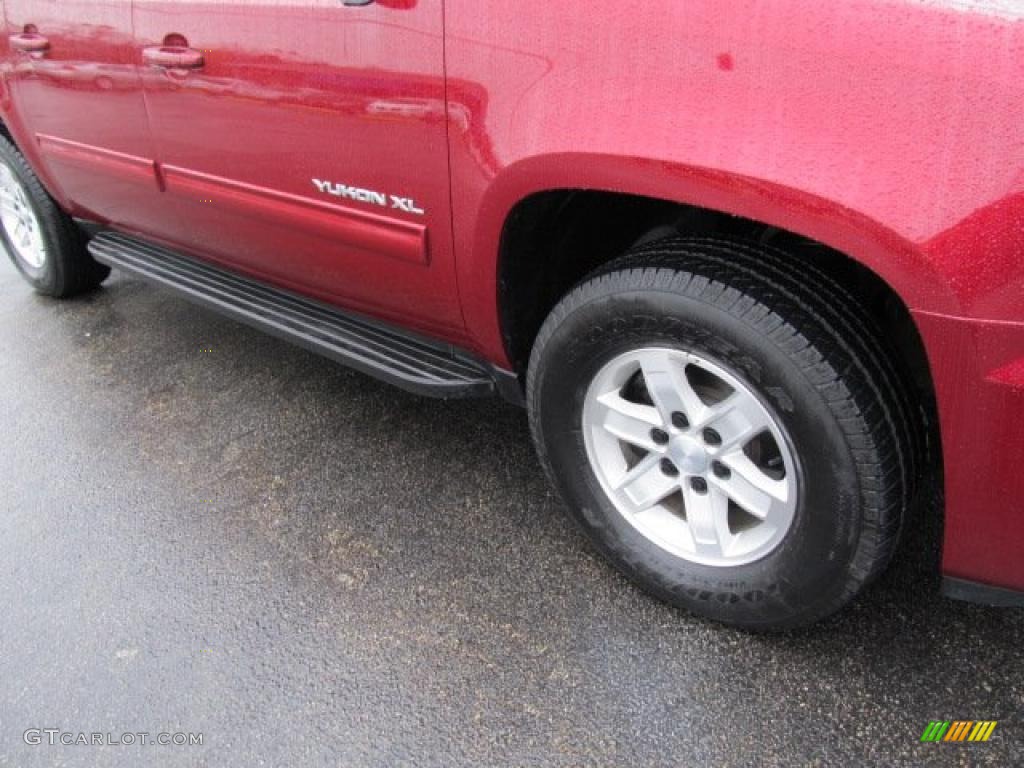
(984, 594)
(393, 355)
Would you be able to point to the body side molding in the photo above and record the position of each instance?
(369, 231)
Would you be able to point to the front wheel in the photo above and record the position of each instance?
(40, 238)
(731, 435)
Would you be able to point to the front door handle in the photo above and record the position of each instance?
(351, 3)
(172, 57)
(29, 42)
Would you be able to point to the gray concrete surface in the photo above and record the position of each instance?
(203, 529)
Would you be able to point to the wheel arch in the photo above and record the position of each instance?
(539, 205)
(15, 132)
(528, 197)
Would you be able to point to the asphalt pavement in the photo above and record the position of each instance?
(204, 530)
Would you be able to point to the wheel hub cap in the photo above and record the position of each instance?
(690, 456)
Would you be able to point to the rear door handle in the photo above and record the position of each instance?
(172, 57)
(351, 3)
(29, 42)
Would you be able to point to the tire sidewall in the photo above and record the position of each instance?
(809, 566)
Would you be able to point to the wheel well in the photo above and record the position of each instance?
(551, 240)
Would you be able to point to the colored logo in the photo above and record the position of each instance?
(958, 730)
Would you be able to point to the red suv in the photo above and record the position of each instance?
(755, 269)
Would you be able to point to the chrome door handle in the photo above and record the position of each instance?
(29, 42)
(172, 57)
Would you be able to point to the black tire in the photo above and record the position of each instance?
(820, 365)
(68, 269)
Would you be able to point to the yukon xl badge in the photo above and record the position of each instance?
(406, 204)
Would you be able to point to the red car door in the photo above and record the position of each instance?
(72, 75)
(305, 142)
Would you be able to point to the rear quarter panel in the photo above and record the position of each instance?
(890, 130)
